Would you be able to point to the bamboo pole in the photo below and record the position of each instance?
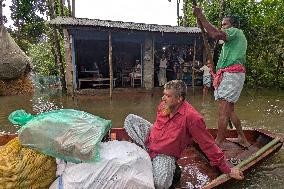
(224, 177)
(110, 64)
(205, 41)
(259, 152)
(193, 65)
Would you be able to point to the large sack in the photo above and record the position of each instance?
(67, 134)
(25, 168)
(13, 61)
(20, 86)
(123, 165)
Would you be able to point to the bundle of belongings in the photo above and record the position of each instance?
(122, 165)
(74, 138)
(22, 167)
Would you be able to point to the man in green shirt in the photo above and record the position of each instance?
(230, 76)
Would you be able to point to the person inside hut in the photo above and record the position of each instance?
(95, 69)
(137, 70)
(180, 67)
(177, 125)
(162, 70)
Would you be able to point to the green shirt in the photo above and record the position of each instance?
(234, 49)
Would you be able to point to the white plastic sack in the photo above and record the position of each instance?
(123, 165)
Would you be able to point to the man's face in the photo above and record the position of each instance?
(170, 99)
(226, 23)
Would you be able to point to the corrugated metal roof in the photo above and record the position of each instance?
(70, 21)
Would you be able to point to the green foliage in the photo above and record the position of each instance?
(263, 25)
(31, 33)
(42, 59)
(29, 23)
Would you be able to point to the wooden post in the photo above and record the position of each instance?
(142, 64)
(68, 60)
(148, 62)
(193, 65)
(110, 64)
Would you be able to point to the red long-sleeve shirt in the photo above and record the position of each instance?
(171, 136)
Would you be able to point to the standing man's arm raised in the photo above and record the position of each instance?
(211, 30)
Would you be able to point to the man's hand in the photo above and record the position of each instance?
(197, 12)
(236, 173)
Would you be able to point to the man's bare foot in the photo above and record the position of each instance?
(225, 145)
(243, 142)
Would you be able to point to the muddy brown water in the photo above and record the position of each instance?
(256, 109)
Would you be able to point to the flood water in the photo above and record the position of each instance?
(256, 109)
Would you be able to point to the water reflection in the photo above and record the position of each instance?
(257, 109)
(200, 179)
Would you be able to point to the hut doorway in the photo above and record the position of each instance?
(127, 64)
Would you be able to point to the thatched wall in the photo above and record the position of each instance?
(20, 86)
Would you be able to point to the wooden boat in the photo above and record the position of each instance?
(195, 169)
(5, 138)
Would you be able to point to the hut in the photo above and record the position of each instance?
(103, 53)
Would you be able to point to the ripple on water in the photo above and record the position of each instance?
(41, 105)
(200, 179)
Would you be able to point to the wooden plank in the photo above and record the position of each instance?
(99, 80)
(5, 138)
(110, 64)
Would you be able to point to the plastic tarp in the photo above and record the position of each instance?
(123, 165)
(67, 134)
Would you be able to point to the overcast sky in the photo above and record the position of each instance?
(160, 12)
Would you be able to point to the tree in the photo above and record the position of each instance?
(31, 32)
(28, 18)
(42, 59)
(56, 41)
(1, 13)
(3, 18)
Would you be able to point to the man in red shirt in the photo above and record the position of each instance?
(177, 125)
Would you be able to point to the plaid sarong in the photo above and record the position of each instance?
(163, 165)
(207, 80)
(230, 87)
